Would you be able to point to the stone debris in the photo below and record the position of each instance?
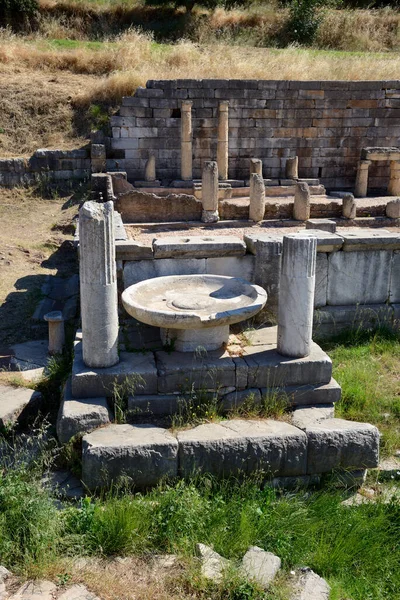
(309, 586)
(14, 401)
(213, 564)
(260, 566)
(35, 590)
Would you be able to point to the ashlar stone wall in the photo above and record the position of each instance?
(326, 123)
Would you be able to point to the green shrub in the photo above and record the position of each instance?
(17, 13)
(304, 20)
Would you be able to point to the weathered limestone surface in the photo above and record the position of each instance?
(13, 401)
(232, 266)
(186, 141)
(301, 206)
(394, 286)
(322, 224)
(292, 167)
(213, 564)
(56, 331)
(358, 277)
(77, 416)
(223, 138)
(77, 592)
(144, 453)
(150, 169)
(260, 566)
(268, 267)
(309, 586)
(326, 241)
(144, 207)
(209, 194)
(198, 247)
(296, 295)
(268, 368)
(321, 280)
(36, 590)
(361, 186)
(349, 206)
(394, 181)
(98, 285)
(330, 320)
(304, 395)
(131, 250)
(305, 416)
(256, 166)
(140, 270)
(369, 239)
(257, 198)
(96, 383)
(242, 446)
(340, 444)
(393, 209)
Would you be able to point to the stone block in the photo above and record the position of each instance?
(339, 444)
(394, 286)
(212, 564)
(14, 401)
(78, 416)
(309, 586)
(322, 224)
(234, 400)
(306, 395)
(198, 247)
(393, 209)
(232, 266)
(304, 416)
(358, 277)
(143, 453)
(154, 404)
(98, 382)
(184, 371)
(127, 250)
(267, 368)
(321, 280)
(140, 270)
(240, 446)
(145, 207)
(326, 241)
(331, 320)
(260, 567)
(376, 239)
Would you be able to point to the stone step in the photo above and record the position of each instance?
(147, 454)
(17, 404)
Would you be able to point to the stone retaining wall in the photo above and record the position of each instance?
(326, 123)
(46, 165)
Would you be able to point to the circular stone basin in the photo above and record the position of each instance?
(194, 310)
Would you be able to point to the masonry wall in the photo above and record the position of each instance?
(326, 123)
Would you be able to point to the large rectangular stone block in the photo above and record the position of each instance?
(139, 368)
(242, 447)
(232, 266)
(142, 453)
(139, 270)
(359, 277)
(268, 368)
(198, 247)
(394, 291)
(184, 371)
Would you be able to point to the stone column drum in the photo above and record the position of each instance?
(296, 295)
(257, 198)
(98, 283)
(56, 331)
(394, 182)
(255, 166)
(301, 207)
(209, 192)
(292, 168)
(361, 188)
(186, 141)
(223, 137)
(349, 207)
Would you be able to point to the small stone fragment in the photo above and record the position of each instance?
(260, 566)
(310, 586)
(393, 209)
(349, 207)
(212, 563)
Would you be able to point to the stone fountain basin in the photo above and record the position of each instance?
(193, 301)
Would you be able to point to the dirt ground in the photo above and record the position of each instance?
(35, 241)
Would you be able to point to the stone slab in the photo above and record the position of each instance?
(80, 415)
(242, 447)
(369, 239)
(234, 400)
(262, 336)
(143, 453)
(306, 395)
(140, 270)
(359, 277)
(232, 266)
(260, 566)
(322, 224)
(14, 401)
(154, 404)
(394, 285)
(131, 250)
(326, 241)
(30, 355)
(183, 371)
(267, 368)
(95, 383)
(304, 416)
(198, 247)
(339, 444)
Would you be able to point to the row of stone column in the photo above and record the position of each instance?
(187, 140)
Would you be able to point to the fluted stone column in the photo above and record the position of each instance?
(186, 141)
(349, 207)
(292, 168)
(361, 188)
(223, 137)
(296, 295)
(150, 170)
(98, 284)
(255, 166)
(209, 192)
(301, 207)
(257, 198)
(394, 182)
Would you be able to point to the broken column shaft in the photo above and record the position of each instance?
(209, 192)
(186, 141)
(98, 284)
(223, 137)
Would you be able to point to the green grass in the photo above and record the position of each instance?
(367, 366)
